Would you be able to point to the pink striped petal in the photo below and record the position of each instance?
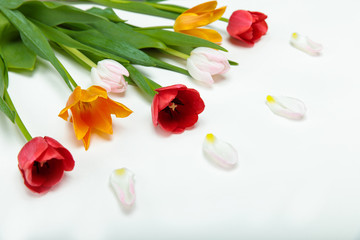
(306, 45)
(287, 107)
(219, 152)
(122, 182)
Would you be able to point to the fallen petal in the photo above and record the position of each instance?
(288, 107)
(122, 182)
(220, 152)
(305, 44)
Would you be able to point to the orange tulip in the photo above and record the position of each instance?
(201, 15)
(92, 109)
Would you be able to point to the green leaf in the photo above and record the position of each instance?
(106, 13)
(11, 4)
(137, 7)
(18, 56)
(142, 82)
(122, 32)
(168, 66)
(178, 39)
(233, 63)
(55, 35)
(4, 82)
(33, 38)
(15, 53)
(54, 13)
(120, 48)
(4, 78)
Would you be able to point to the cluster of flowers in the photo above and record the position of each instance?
(42, 160)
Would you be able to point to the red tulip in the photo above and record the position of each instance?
(247, 26)
(176, 107)
(42, 162)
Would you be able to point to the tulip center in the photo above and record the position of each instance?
(39, 165)
(84, 106)
(172, 106)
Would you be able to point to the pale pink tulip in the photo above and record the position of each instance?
(204, 62)
(109, 74)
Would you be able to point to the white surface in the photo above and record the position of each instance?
(294, 179)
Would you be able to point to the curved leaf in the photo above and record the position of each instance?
(34, 39)
(137, 7)
(97, 40)
(57, 36)
(122, 32)
(54, 13)
(178, 39)
(11, 4)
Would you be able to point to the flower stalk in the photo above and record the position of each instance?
(18, 120)
(176, 53)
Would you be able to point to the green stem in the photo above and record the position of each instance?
(224, 19)
(18, 120)
(175, 53)
(78, 55)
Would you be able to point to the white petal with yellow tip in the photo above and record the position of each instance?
(122, 182)
(220, 152)
(305, 44)
(287, 107)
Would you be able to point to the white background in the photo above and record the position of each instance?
(294, 179)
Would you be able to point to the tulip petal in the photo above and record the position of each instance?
(68, 161)
(207, 34)
(122, 182)
(95, 77)
(239, 22)
(287, 107)
(220, 152)
(306, 45)
(188, 21)
(197, 74)
(203, 7)
(109, 74)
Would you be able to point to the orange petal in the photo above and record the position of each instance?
(203, 7)
(92, 93)
(99, 117)
(207, 34)
(188, 21)
(217, 14)
(80, 126)
(120, 110)
(86, 140)
(73, 99)
(191, 21)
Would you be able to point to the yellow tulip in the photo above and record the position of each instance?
(201, 15)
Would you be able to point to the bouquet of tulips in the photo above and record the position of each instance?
(111, 49)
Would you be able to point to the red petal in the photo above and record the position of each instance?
(167, 122)
(239, 22)
(258, 16)
(31, 151)
(155, 110)
(259, 29)
(68, 161)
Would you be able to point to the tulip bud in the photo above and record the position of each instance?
(247, 26)
(109, 74)
(205, 62)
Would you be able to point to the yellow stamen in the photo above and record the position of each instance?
(270, 99)
(120, 171)
(172, 106)
(210, 137)
(295, 35)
